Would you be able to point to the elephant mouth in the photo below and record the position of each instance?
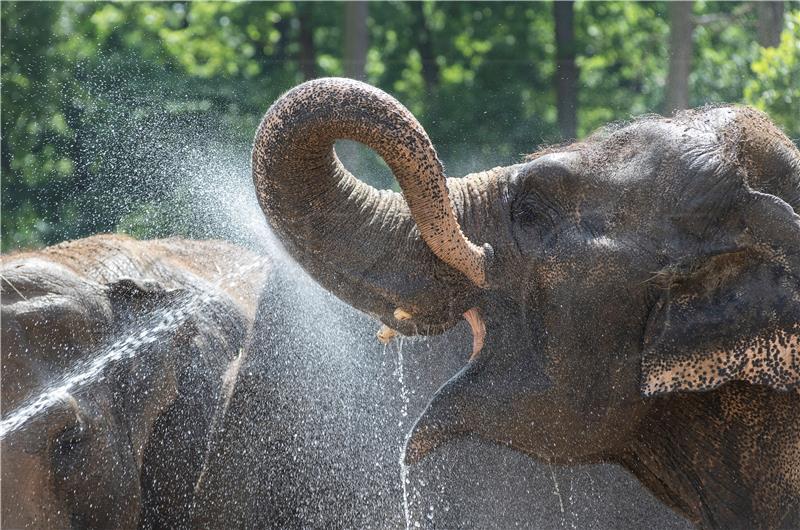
(473, 317)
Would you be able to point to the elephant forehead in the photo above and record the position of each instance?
(39, 315)
(48, 315)
(49, 327)
(659, 152)
(34, 283)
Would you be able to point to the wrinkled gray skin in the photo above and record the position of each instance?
(640, 289)
(126, 450)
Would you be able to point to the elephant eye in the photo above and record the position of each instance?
(532, 209)
(525, 212)
(67, 448)
(534, 219)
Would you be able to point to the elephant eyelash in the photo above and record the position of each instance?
(535, 219)
(535, 210)
(68, 440)
(524, 214)
(66, 449)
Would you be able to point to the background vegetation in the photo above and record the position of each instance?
(105, 106)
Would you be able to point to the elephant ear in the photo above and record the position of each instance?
(736, 315)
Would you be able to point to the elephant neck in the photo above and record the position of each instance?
(723, 459)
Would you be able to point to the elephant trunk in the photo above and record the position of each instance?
(372, 248)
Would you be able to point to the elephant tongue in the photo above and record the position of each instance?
(473, 316)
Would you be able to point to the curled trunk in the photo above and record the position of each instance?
(378, 250)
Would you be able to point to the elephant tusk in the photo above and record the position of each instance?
(478, 327)
(386, 334)
(401, 314)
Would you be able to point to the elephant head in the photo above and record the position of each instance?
(654, 258)
(103, 454)
(76, 463)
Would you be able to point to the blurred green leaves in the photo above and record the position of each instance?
(622, 58)
(100, 100)
(775, 86)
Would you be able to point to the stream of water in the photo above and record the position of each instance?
(144, 332)
(404, 399)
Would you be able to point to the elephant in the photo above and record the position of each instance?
(633, 297)
(124, 449)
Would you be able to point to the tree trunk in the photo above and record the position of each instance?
(680, 56)
(770, 23)
(430, 70)
(308, 54)
(356, 39)
(566, 75)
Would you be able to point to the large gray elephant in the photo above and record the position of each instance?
(125, 448)
(634, 298)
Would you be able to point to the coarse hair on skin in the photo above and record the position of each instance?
(604, 132)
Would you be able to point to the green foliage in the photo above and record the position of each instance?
(776, 85)
(622, 58)
(105, 103)
(724, 49)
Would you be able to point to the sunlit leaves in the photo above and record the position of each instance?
(724, 49)
(106, 20)
(622, 59)
(213, 39)
(776, 85)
